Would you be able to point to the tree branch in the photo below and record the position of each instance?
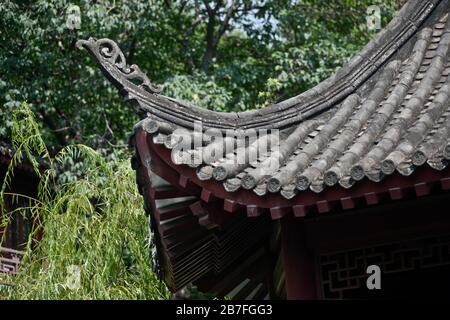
(226, 21)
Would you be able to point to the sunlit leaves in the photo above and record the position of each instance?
(94, 224)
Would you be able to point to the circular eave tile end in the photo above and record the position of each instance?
(220, 173)
(330, 178)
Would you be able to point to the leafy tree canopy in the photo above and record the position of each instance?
(227, 55)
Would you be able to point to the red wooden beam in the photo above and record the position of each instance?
(445, 183)
(323, 206)
(207, 196)
(166, 193)
(183, 182)
(277, 212)
(375, 225)
(301, 210)
(230, 206)
(394, 185)
(298, 261)
(253, 211)
(422, 189)
(396, 193)
(197, 209)
(347, 203)
(372, 198)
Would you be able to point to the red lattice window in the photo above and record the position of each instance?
(412, 268)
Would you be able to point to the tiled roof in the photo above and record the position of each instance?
(387, 110)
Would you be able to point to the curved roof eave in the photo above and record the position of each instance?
(135, 85)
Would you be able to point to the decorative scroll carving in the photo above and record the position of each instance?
(326, 95)
(113, 62)
(345, 271)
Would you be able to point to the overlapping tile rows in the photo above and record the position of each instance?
(148, 100)
(382, 113)
(222, 254)
(402, 123)
(386, 111)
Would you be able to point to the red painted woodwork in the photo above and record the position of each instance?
(298, 261)
(393, 187)
(396, 208)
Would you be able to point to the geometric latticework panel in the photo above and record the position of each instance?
(343, 274)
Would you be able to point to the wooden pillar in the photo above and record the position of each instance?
(299, 263)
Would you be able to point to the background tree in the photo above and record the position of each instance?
(227, 55)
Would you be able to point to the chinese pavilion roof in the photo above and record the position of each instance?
(387, 110)
(379, 128)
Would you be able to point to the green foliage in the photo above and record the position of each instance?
(207, 52)
(266, 51)
(316, 38)
(220, 55)
(41, 65)
(200, 89)
(94, 224)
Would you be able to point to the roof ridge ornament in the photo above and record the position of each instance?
(113, 62)
(137, 88)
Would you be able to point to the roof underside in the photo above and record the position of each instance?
(387, 110)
